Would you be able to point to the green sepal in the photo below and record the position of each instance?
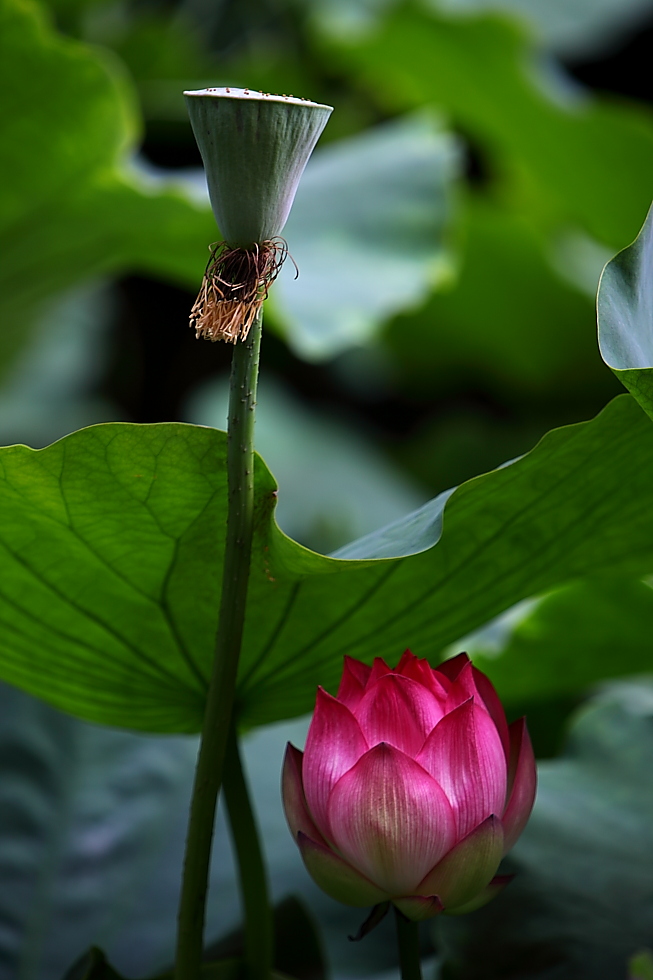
(419, 908)
(337, 878)
(467, 868)
(376, 916)
(491, 891)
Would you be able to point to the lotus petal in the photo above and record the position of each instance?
(522, 783)
(417, 908)
(408, 659)
(352, 686)
(462, 688)
(496, 885)
(400, 711)
(422, 672)
(334, 744)
(379, 669)
(490, 699)
(337, 878)
(360, 670)
(451, 668)
(468, 867)
(294, 801)
(465, 755)
(390, 819)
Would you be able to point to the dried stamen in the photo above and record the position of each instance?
(234, 287)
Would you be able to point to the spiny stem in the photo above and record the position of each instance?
(259, 934)
(408, 941)
(217, 717)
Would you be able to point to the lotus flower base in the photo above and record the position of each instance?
(234, 287)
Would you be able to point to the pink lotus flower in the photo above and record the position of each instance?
(411, 788)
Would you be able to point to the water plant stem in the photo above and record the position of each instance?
(408, 942)
(259, 930)
(222, 684)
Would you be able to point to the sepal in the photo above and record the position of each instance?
(522, 783)
(417, 908)
(377, 915)
(294, 800)
(468, 867)
(497, 885)
(336, 877)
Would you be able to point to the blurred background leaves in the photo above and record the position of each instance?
(71, 210)
(92, 824)
(442, 322)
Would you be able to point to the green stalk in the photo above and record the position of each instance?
(222, 685)
(259, 932)
(408, 942)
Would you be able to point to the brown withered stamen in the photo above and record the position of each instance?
(234, 287)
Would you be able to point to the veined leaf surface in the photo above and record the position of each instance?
(111, 546)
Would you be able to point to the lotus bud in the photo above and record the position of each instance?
(411, 788)
(254, 147)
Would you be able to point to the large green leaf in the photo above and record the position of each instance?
(111, 542)
(625, 312)
(580, 905)
(69, 205)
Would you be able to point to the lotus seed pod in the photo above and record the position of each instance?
(254, 148)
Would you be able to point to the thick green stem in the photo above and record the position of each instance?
(259, 934)
(220, 696)
(408, 941)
